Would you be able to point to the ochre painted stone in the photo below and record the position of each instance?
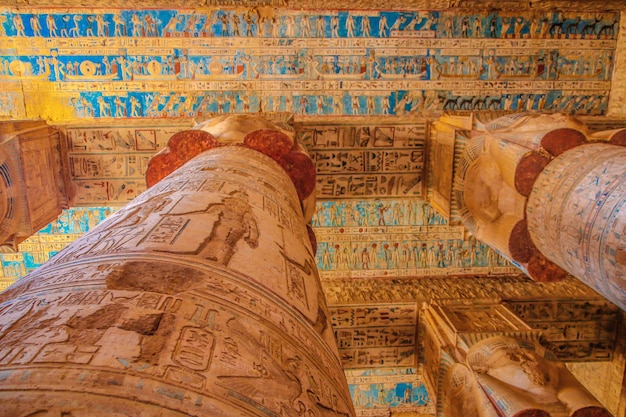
(619, 138)
(542, 269)
(180, 148)
(521, 246)
(199, 298)
(272, 143)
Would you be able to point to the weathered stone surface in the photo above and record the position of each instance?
(199, 298)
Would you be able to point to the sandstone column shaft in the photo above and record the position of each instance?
(200, 298)
(576, 216)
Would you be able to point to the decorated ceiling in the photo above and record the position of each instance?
(103, 63)
(361, 86)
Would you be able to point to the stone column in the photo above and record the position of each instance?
(199, 298)
(550, 196)
(577, 216)
(33, 185)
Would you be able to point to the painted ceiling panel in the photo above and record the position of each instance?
(99, 63)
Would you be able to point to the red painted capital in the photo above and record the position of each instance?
(181, 147)
(274, 143)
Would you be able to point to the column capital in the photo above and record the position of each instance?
(250, 131)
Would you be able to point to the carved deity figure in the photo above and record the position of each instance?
(504, 376)
(235, 221)
(517, 365)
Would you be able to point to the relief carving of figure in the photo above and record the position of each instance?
(235, 221)
(518, 379)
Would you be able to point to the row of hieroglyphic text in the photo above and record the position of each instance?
(107, 163)
(376, 212)
(164, 63)
(259, 23)
(376, 392)
(365, 161)
(574, 330)
(511, 5)
(376, 336)
(472, 5)
(37, 249)
(396, 238)
(492, 288)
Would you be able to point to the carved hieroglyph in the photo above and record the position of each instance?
(200, 298)
(309, 57)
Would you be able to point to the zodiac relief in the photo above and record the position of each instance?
(235, 221)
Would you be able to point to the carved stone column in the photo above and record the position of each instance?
(507, 376)
(482, 360)
(200, 298)
(576, 216)
(550, 196)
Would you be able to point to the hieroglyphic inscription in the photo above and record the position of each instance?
(377, 392)
(379, 315)
(366, 290)
(483, 319)
(169, 62)
(364, 7)
(367, 161)
(194, 349)
(402, 251)
(379, 336)
(574, 330)
(108, 164)
(378, 357)
(367, 336)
